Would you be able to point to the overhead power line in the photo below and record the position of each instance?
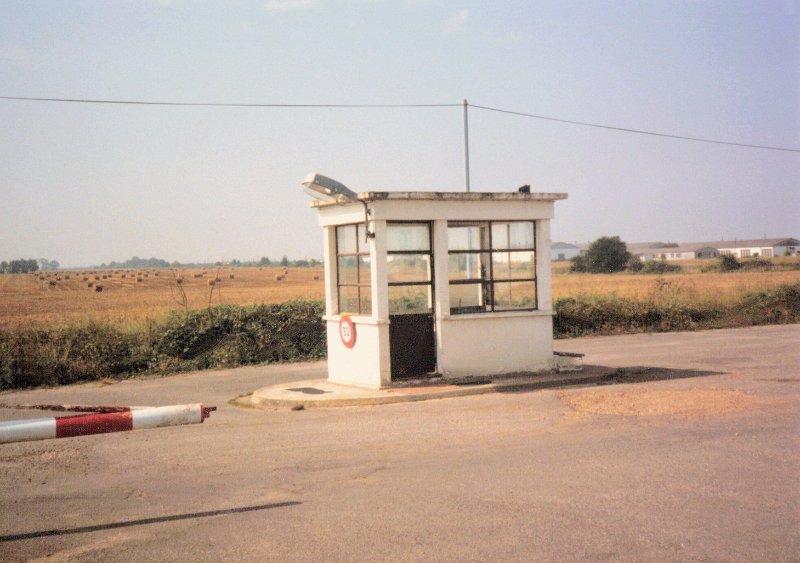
(638, 131)
(223, 105)
(336, 106)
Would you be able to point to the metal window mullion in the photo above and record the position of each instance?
(507, 280)
(395, 284)
(491, 266)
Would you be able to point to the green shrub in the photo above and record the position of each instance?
(231, 335)
(664, 310)
(635, 264)
(659, 267)
(222, 336)
(728, 263)
(29, 358)
(773, 306)
(756, 265)
(579, 264)
(609, 315)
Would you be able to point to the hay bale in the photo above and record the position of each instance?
(179, 281)
(90, 284)
(98, 288)
(51, 283)
(278, 277)
(316, 277)
(231, 276)
(138, 280)
(212, 283)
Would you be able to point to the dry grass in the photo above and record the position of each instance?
(689, 286)
(28, 301)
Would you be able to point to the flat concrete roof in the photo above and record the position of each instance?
(446, 196)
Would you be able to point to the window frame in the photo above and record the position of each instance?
(487, 284)
(428, 253)
(362, 249)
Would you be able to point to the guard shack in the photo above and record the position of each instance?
(417, 283)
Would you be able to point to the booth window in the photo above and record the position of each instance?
(491, 266)
(353, 270)
(408, 249)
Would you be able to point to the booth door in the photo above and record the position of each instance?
(412, 339)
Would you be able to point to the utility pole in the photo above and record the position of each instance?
(466, 145)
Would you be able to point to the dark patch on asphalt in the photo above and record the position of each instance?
(781, 380)
(309, 390)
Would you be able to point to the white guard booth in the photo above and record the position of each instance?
(447, 283)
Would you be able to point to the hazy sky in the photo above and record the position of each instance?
(91, 183)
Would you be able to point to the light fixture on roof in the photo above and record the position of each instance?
(326, 189)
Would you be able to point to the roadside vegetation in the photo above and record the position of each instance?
(220, 336)
(56, 328)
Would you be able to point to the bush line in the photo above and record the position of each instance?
(221, 336)
(232, 335)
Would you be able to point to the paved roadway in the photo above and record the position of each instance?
(506, 476)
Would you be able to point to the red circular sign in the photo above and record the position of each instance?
(347, 331)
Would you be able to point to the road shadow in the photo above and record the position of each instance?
(146, 521)
(600, 375)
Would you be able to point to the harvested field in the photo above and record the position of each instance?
(688, 288)
(132, 297)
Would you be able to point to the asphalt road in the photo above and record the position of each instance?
(506, 476)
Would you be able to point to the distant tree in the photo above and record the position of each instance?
(313, 262)
(264, 261)
(45, 264)
(284, 261)
(22, 266)
(607, 255)
(579, 263)
(3, 267)
(635, 264)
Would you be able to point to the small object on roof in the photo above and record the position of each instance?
(526, 189)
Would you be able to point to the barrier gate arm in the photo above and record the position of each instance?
(131, 418)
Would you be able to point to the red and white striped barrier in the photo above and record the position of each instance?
(119, 419)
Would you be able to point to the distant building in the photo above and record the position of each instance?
(686, 252)
(764, 248)
(561, 251)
